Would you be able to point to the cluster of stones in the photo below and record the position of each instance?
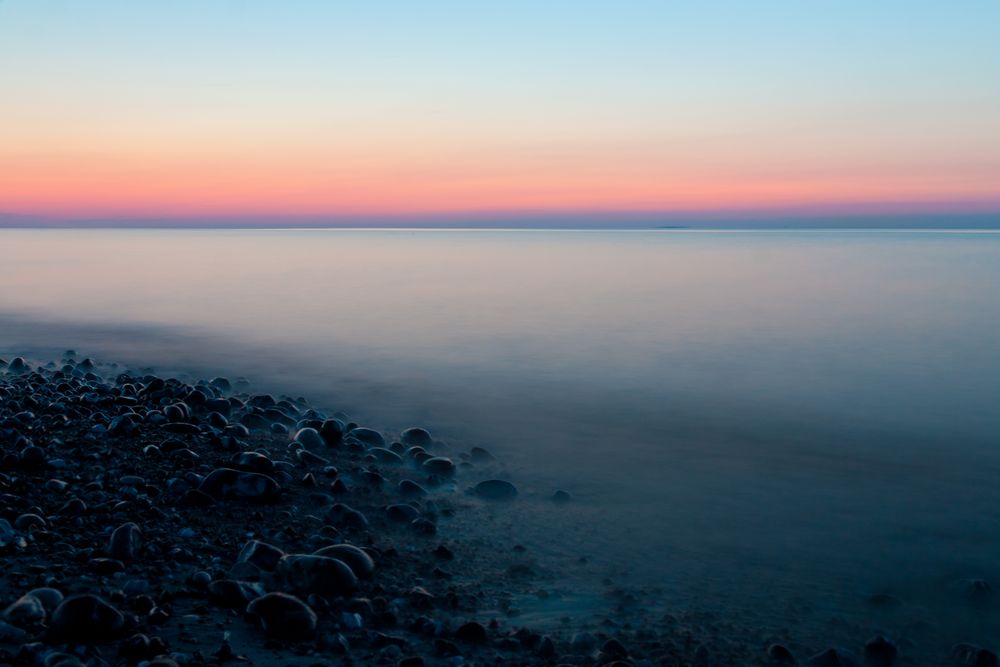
(137, 508)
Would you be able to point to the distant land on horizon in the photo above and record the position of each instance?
(624, 221)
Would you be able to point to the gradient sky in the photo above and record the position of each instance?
(205, 108)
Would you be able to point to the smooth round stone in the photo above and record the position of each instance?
(253, 462)
(217, 419)
(309, 438)
(26, 522)
(124, 542)
(480, 455)
(86, 619)
(310, 573)
(332, 431)
(439, 465)
(366, 436)
(221, 383)
(880, 652)
(410, 488)
(356, 558)
(345, 515)
(416, 437)
(833, 657)
(495, 489)
(780, 654)
(284, 616)
(49, 597)
(583, 642)
(561, 497)
(33, 456)
(387, 456)
(261, 554)
(402, 513)
(472, 632)
(26, 611)
(233, 594)
(224, 483)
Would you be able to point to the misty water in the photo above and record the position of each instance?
(775, 424)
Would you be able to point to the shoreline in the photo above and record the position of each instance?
(178, 504)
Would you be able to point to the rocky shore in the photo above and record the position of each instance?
(148, 520)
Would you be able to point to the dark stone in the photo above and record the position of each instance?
(361, 564)
(307, 574)
(439, 465)
(260, 554)
(780, 654)
(402, 513)
(416, 437)
(25, 612)
(472, 632)
(284, 616)
(124, 542)
(495, 489)
(880, 652)
(367, 436)
(410, 488)
(309, 438)
(833, 657)
(86, 619)
(224, 483)
(233, 594)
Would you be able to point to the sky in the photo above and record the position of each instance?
(375, 112)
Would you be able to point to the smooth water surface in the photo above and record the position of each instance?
(780, 422)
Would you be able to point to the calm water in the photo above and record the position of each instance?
(776, 422)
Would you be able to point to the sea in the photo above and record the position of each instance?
(796, 429)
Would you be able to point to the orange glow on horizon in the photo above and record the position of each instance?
(72, 186)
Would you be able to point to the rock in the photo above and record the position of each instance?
(880, 652)
(583, 642)
(332, 431)
(424, 526)
(402, 513)
(309, 438)
(307, 574)
(223, 483)
(416, 437)
(284, 616)
(410, 488)
(614, 649)
(495, 489)
(33, 457)
(560, 497)
(386, 456)
(347, 516)
(26, 522)
(125, 541)
(780, 654)
(7, 533)
(439, 465)
(361, 564)
(49, 597)
(480, 455)
(974, 656)
(233, 594)
(833, 657)
(25, 612)
(260, 554)
(221, 383)
(10, 634)
(472, 632)
(366, 436)
(253, 462)
(86, 619)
